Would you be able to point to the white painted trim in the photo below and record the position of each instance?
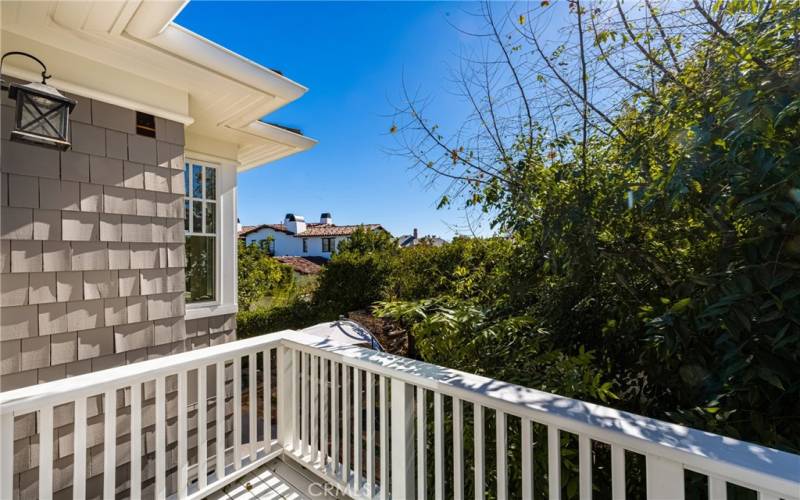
(81, 90)
(201, 310)
(771, 472)
(192, 47)
(197, 155)
(226, 242)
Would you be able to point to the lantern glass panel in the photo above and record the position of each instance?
(42, 116)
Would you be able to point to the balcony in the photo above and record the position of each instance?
(341, 421)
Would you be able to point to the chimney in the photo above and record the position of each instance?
(416, 234)
(238, 225)
(295, 223)
(326, 218)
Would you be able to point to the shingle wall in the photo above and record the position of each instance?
(91, 273)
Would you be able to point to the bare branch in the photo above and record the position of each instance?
(655, 62)
(663, 35)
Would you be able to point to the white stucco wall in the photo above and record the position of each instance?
(287, 244)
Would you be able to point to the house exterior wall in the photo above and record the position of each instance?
(291, 245)
(92, 277)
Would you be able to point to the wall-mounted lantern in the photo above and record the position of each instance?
(42, 112)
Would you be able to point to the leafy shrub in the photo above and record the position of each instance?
(261, 276)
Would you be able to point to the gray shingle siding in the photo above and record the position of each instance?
(91, 277)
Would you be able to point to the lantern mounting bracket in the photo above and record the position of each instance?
(45, 76)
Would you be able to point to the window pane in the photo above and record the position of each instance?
(186, 213)
(211, 217)
(211, 183)
(200, 268)
(197, 181)
(186, 179)
(197, 216)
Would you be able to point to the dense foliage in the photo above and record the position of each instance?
(261, 277)
(660, 236)
(652, 250)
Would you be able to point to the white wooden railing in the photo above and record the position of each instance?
(360, 420)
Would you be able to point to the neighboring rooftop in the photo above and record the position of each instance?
(296, 225)
(410, 240)
(303, 265)
(312, 229)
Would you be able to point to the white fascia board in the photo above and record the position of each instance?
(279, 134)
(194, 48)
(292, 144)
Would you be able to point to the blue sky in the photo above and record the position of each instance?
(352, 56)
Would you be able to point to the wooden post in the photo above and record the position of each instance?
(284, 400)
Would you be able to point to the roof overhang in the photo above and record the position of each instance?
(131, 53)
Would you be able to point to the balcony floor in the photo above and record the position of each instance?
(277, 479)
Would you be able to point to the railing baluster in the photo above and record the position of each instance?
(297, 400)
(357, 429)
(202, 427)
(383, 394)
(617, 472)
(136, 440)
(285, 406)
(237, 412)
(664, 478)
(584, 467)
(110, 443)
(45, 452)
(527, 459)
(370, 413)
(553, 462)
(346, 425)
(161, 423)
(7, 454)
(422, 445)
(79, 450)
(314, 451)
(480, 457)
(183, 435)
(438, 439)
(335, 419)
(252, 404)
(305, 447)
(717, 489)
(267, 400)
(323, 417)
(458, 449)
(220, 420)
(502, 454)
(402, 399)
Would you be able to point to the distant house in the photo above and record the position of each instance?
(296, 237)
(410, 240)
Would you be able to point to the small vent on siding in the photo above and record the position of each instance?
(145, 124)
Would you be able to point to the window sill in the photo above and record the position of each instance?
(201, 310)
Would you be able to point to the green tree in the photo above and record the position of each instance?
(646, 164)
(260, 276)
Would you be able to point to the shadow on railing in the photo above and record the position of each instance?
(359, 419)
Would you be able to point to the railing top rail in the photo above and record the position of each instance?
(742, 462)
(69, 389)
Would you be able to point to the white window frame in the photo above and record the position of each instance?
(191, 161)
(227, 238)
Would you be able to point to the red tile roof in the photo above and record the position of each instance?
(303, 265)
(313, 229)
